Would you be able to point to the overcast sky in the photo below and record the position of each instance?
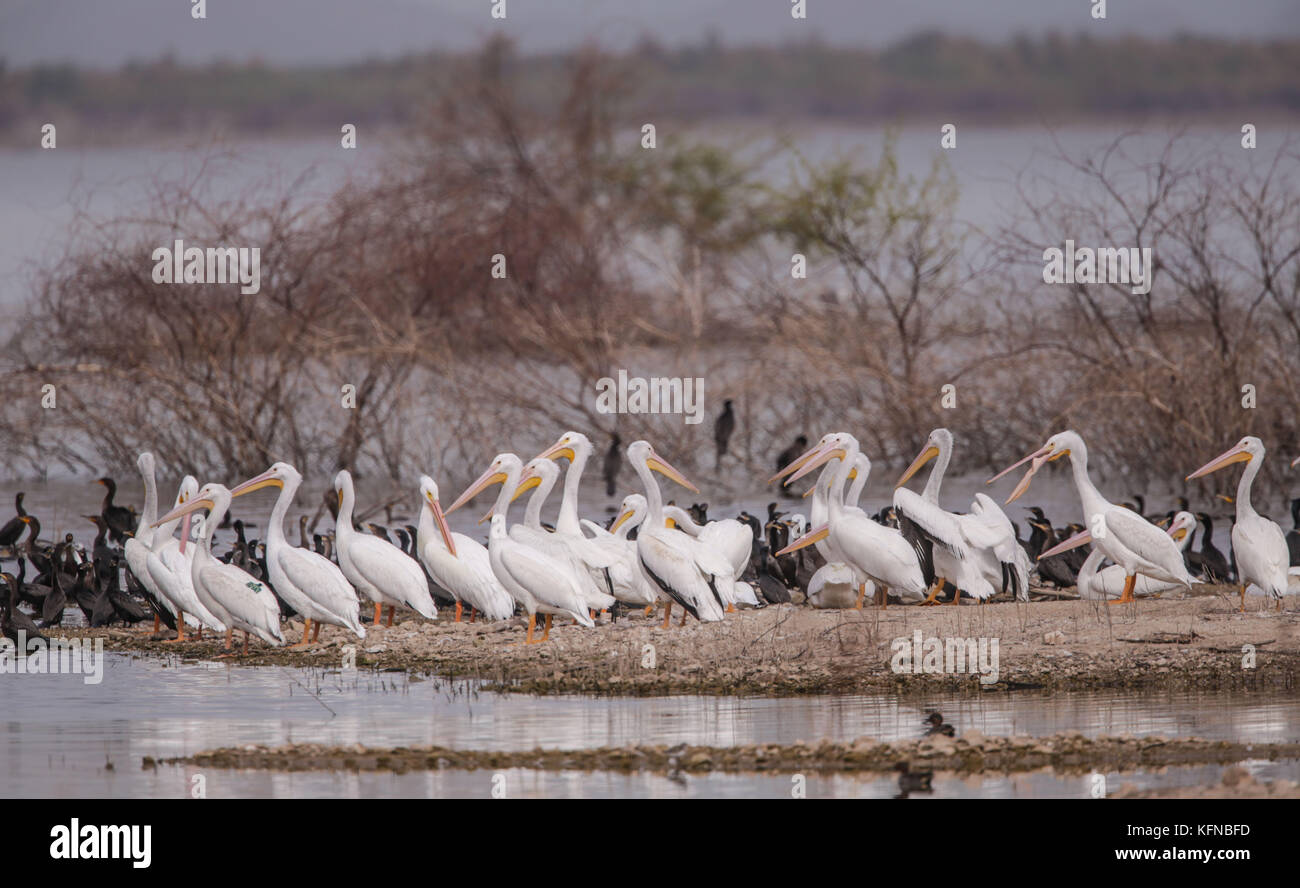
(109, 32)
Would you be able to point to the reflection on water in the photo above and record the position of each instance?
(61, 737)
(524, 783)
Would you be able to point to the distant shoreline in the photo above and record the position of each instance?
(928, 76)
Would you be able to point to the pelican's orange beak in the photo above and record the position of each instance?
(657, 463)
(1044, 454)
(622, 517)
(929, 453)
(186, 511)
(799, 461)
(487, 479)
(528, 479)
(813, 536)
(441, 520)
(1079, 539)
(1228, 457)
(266, 479)
(559, 449)
(824, 455)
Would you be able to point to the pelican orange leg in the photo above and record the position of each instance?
(306, 628)
(934, 591)
(668, 614)
(180, 628)
(1129, 582)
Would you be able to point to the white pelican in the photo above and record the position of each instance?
(233, 596)
(880, 553)
(540, 583)
(170, 565)
(459, 564)
(379, 570)
(727, 539)
(1123, 535)
(671, 559)
(835, 585)
(1259, 544)
(827, 586)
(631, 584)
(1095, 583)
(977, 552)
(136, 549)
(311, 584)
(576, 448)
(586, 559)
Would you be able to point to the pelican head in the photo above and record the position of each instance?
(1245, 450)
(429, 493)
(1183, 524)
(832, 446)
(1059, 445)
(631, 512)
(938, 441)
(211, 497)
(536, 471)
(569, 445)
(643, 453)
(279, 475)
(144, 462)
(802, 459)
(503, 468)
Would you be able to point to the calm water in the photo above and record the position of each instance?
(59, 736)
(44, 190)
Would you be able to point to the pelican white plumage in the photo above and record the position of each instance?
(1096, 582)
(170, 565)
(137, 548)
(587, 560)
(237, 599)
(729, 539)
(671, 559)
(379, 570)
(977, 552)
(540, 582)
(1123, 536)
(835, 585)
(629, 580)
(826, 587)
(1258, 543)
(880, 553)
(310, 583)
(577, 449)
(457, 563)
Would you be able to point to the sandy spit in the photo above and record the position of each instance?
(1199, 642)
